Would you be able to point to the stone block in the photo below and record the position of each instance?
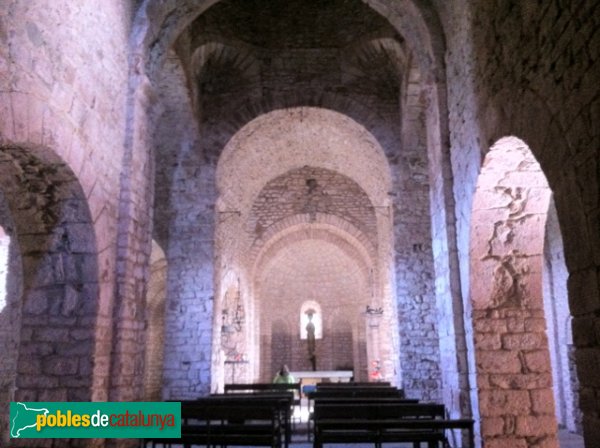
(36, 302)
(542, 401)
(505, 442)
(521, 381)
(30, 365)
(36, 382)
(492, 426)
(497, 326)
(515, 324)
(538, 361)
(496, 403)
(523, 341)
(53, 395)
(51, 334)
(75, 349)
(61, 366)
(535, 325)
(487, 341)
(536, 425)
(498, 361)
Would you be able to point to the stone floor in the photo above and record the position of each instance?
(570, 440)
(566, 439)
(299, 439)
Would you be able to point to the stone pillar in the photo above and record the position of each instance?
(514, 376)
(373, 324)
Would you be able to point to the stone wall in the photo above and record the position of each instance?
(154, 345)
(10, 313)
(64, 86)
(312, 190)
(558, 320)
(316, 269)
(234, 79)
(528, 70)
(510, 330)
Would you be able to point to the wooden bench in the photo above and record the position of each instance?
(215, 420)
(267, 387)
(400, 430)
(351, 400)
(285, 401)
(384, 422)
(353, 384)
(355, 392)
(256, 387)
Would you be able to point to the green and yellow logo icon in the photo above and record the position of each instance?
(95, 420)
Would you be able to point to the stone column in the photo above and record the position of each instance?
(514, 376)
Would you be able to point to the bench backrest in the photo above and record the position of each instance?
(262, 387)
(353, 384)
(207, 410)
(377, 411)
(365, 400)
(358, 392)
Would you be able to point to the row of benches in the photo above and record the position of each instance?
(378, 413)
(229, 420)
(258, 415)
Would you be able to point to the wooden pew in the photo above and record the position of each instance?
(256, 387)
(384, 423)
(285, 403)
(219, 421)
(352, 400)
(378, 432)
(356, 392)
(354, 384)
(252, 423)
(266, 387)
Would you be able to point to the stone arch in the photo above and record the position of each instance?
(381, 129)
(506, 262)
(156, 295)
(58, 344)
(302, 226)
(335, 282)
(345, 146)
(158, 24)
(311, 195)
(558, 319)
(346, 242)
(237, 67)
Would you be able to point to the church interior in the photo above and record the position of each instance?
(192, 192)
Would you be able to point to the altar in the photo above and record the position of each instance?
(307, 377)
